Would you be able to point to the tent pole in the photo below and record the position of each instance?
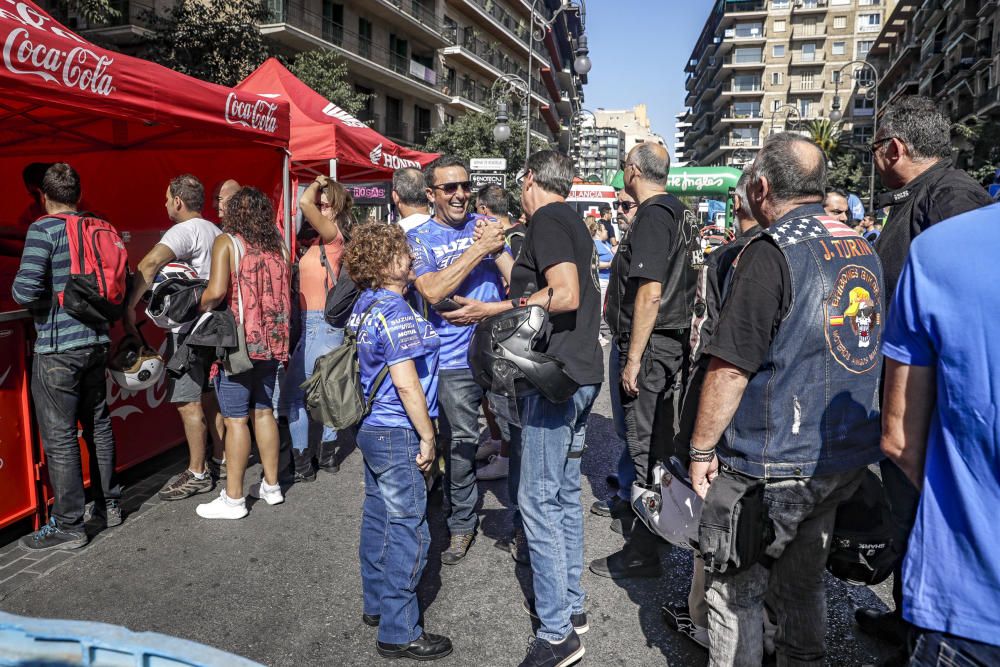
(333, 169)
(286, 178)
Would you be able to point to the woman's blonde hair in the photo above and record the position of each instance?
(592, 224)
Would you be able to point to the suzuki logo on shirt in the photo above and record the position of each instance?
(448, 253)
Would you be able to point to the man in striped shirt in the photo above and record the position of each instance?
(67, 380)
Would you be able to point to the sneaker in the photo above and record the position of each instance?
(223, 507)
(519, 548)
(497, 468)
(110, 516)
(216, 468)
(50, 538)
(542, 653)
(679, 618)
(487, 449)
(185, 485)
(579, 620)
(457, 548)
(272, 496)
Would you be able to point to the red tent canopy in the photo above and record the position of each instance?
(127, 125)
(322, 131)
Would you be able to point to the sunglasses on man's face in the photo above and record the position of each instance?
(874, 145)
(451, 188)
(625, 206)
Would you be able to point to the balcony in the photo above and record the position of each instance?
(806, 87)
(742, 62)
(737, 36)
(809, 6)
(988, 100)
(732, 115)
(736, 142)
(298, 28)
(817, 32)
(411, 15)
(513, 29)
(741, 9)
(800, 58)
(129, 27)
(987, 7)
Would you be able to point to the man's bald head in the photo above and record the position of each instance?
(652, 161)
(793, 166)
(226, 190)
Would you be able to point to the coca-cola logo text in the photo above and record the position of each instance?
(79, 67)
(256, 114)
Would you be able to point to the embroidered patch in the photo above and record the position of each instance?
(853, 319)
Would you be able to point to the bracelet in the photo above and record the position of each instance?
(701, 455)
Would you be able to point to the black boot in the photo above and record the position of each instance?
(304, 471)
(639, 558)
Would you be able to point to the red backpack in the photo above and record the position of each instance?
(95, 291)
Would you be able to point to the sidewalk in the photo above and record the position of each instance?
(282, 586)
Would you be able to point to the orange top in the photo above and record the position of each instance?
(313, 279)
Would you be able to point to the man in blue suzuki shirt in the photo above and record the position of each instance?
(454, 269)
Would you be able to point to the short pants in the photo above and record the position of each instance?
(237, 393)
(189, 387)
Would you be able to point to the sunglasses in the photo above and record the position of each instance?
(451, 188)
(519, 180)
(873, 146)
(625, 206)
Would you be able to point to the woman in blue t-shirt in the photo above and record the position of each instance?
(605, 253)
(398, 356)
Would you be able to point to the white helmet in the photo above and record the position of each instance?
(135, 367)
(671, 508)
(158, 295)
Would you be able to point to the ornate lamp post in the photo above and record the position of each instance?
(542, 25)
(792, 109)
(870, 94)
(504, 88)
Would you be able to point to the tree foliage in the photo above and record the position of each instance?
(983, 152)
(848, 173)
(326, 72)
(826, 134)
(94, 12)
(213, 40)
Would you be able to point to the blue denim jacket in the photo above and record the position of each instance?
(813, 408)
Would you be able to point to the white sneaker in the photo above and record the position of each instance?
(222, 508)
(497, 468)
(487, 449)
(271, 496)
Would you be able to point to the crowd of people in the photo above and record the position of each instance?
(776, 373)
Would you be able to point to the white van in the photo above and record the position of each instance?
(589, 199)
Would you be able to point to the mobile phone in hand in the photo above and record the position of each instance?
(446, 305)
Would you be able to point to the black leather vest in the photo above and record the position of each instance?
(677, 294)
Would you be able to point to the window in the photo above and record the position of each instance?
(333, 22)
(775, 105)
(839, 48)
(804, 107)
(775, 78)
(399, 50)
(869, 3)
(364, 38)
(807, 81)
(840, 23)
(746, 82)
(808, 52)
(780, 4)
(779, 26)
(862, 48)
(745, 109)
(748, 55)
(745, 136)
(869, 22)
(779, 50)
(749, 29)
(863, 106)
(421, 124)
(835, 77)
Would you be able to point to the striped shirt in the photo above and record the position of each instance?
(44, 271)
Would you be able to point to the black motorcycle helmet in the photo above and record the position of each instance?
(867, 542)
(502, 356)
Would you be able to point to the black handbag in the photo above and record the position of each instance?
(735, 528)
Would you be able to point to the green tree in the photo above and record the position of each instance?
(326, 72)
(826, 134)
(93, 11)
(213, 40)
(983, 154)
(848, 173)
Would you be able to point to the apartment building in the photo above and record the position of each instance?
(423, 62)
(763, 66)
(681, 126)
(634, 124)
(948, 50)
(598, 152)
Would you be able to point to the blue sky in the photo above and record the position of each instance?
(639, 49)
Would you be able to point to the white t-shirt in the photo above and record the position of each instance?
(411, 221)
(191, 242)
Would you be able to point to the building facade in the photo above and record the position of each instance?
(681, 126)
(948, 50)
(423, 62)
(634, 124)
(764, 66)
(598, 152)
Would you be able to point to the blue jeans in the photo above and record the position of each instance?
(254, 389)
(626, 469)
(66, 387)
(394, 533)
(550, 442)
(317, 339)
(937, 649)
(459, 398)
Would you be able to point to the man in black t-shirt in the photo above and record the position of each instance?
(648, 309)
(606, 223)
(556, 269)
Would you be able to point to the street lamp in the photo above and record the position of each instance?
(582, 63)
(792, 109)
(507, 86)
(836, 115)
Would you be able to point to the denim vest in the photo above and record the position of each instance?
(813, 406)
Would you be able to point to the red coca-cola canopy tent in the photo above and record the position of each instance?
(126, 124)
(322, 131)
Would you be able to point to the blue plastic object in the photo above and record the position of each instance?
(41, 642)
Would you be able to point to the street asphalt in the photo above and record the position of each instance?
(282, 586)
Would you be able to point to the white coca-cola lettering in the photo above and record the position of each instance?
(256, 114)
(78, 68)
(29, 16)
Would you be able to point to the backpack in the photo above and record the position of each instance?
(96, 288)
(333, 395)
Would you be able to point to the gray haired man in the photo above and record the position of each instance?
(409, 194)
(797, 350)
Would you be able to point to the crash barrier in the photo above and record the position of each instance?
(41, 641)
